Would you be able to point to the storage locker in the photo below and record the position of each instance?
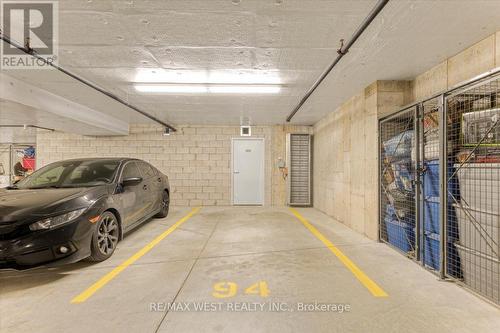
(440, 203)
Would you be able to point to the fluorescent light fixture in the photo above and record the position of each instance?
(244, 89)
(160, 75)
(159, 80)
(171, 88)
(244, 77)
(229, 76)
(208, 88)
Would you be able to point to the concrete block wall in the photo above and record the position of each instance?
(197, 159)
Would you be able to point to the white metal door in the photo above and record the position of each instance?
(248, 171)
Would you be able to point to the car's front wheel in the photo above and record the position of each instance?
(105, 237)
(164, 206)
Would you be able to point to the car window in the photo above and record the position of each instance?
(130, 171)
(51, 176)
(155, 171)
(73, 173)
(147, 170)
(88, 173)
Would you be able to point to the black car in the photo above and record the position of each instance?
(77, 209)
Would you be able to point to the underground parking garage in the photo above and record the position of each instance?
(213, 166)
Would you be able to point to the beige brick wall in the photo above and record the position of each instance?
(197, 159)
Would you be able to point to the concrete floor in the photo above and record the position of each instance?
(243, 246)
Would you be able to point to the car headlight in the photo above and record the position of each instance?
(55, 221)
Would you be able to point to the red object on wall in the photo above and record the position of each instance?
(29, 163)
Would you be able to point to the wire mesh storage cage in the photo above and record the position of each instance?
(473, 210)
(397, 192)
(440, 161)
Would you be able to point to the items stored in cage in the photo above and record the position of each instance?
(440, 184)
(398, 183)
(476, 161)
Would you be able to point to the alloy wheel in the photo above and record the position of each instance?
(107, 234)
(165, 202)
(164, 206)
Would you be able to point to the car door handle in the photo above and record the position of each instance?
(236, 172)
(145, 187)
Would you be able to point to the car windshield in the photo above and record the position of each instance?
(71, 174)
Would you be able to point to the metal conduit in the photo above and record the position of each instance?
(27, 126)
(341, 52)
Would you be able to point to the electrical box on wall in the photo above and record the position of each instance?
(245, 131)
(298, 150)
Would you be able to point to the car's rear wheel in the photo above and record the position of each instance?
(164, 206)
(105, 237)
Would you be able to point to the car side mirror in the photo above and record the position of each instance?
(131, 181)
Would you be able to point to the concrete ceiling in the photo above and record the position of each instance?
(405, 40)
(12, 113)
(117, 43)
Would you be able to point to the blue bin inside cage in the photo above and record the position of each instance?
(431, 180)
(408, 218)
(403, 176)
(400, 234)
(431, 215)
(431, 250)
(432, 218)
(432, 254)
(399, 146)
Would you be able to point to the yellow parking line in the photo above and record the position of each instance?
(117, 270)
(358, 273)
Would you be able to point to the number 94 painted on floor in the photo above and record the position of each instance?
(227, 289)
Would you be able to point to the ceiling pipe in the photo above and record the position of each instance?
(27, 126)
(28, 50)
(344, 48)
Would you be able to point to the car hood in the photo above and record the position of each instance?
(16, 205)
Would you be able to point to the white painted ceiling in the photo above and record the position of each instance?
(112, 43)
(12, 113)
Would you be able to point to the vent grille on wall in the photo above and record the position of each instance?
(299, 163)
(245, 131)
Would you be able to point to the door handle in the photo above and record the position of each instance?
(236, 172)
(145, 187)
